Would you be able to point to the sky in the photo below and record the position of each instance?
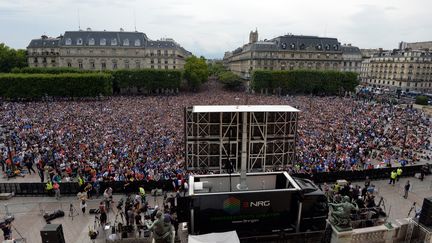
(212, 27)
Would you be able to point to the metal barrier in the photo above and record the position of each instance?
(72, 188)
(358, 175)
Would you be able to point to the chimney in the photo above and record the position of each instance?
(88, 29)
(121, 29)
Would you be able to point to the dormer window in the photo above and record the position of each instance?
(126, 42)
(79, 41)
(91, 42)
(137, 42)
(114, 42)
(335, 47)
(102, 41)
(327, 47)
(68, 41)
(319, 46)
(292, 46)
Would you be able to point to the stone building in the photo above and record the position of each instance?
(351, 59)
(290, 52)
(101, 50)
(399, 70)
(424, 45)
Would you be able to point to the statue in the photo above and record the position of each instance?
(340, 213)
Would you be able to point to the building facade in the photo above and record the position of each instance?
(290, 52)
(351, 59)
(106, 50)
(399, 70)
(424, 45)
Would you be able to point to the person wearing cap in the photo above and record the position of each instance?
(161, 227)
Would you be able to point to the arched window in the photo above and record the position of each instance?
(102, 41)
(79, 41)
(91, 41)
(114, 42)
(68, 41)
(126, 42)
(137, 42)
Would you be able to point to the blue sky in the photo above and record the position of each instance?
(210, 28)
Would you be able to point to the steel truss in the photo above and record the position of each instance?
(214, 139)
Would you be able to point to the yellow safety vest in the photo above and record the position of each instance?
(80, 181)
(49, 185)
(393, 175)
(399, 171)
(142, 191)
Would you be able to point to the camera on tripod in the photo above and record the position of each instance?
(7, 220)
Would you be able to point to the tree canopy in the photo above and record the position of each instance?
(11, 58)
(195, 72)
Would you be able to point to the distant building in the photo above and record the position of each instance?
(424, 45)
(351, 59)
(290, 52)
(403, 70)
(101, 50)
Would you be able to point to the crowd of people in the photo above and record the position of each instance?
(142, 138)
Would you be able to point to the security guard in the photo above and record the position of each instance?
(393, 176)
(399, 173)
(49, 187)
(142, 194)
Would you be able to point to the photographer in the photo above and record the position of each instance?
(108, 198)
(7, 231)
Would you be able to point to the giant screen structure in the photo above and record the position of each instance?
(215, 136)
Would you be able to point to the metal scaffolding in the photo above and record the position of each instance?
(213, 138)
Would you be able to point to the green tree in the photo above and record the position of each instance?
(195, 72)
(11, 58)
(421, 100)
(215, 69)
(231, 81)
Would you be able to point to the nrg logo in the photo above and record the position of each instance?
(256, 204)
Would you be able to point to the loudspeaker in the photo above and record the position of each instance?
(426, 212)
(52, 233)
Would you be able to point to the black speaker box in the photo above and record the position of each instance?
(52, 233)
(426, 212)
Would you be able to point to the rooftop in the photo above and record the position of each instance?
(244, 108)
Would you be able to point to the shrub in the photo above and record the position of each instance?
(146, 79)
(421, 100)
(304, 81)
(33, 86)
(230, 80)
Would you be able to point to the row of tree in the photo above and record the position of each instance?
(304, 82)
(11, 58)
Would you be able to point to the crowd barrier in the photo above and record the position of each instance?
(359, 175)
(72, 188)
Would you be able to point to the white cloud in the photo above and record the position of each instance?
(210, 28)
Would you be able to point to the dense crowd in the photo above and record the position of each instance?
(141, 138)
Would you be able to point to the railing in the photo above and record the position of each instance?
(72, 188)
(359, 175)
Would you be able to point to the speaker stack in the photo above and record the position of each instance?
(52, 233)
(426, 212)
